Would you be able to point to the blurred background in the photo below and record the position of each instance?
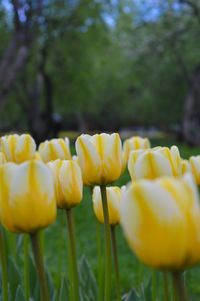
(72, 66)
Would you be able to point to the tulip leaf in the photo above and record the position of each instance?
(35, 293)
(132, 296)
(87, 281)
(64, 291)
(19, 294)
(49, 282)
(147, 289)
(14, 276)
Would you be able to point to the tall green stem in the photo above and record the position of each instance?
(40, 266)
(100, 266)
(179, 286)
(3, 266)
(166, 286)
(107, 245)
(72, 249)
(115, 256)
(26, 267)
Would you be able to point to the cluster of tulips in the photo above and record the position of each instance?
(158, 210)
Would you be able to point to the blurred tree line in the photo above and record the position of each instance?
(99, 64)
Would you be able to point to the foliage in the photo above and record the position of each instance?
(128, 61)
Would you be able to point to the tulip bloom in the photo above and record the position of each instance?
(100, 158)
(161, 221)
(27, 196)
(114, 203)
(53, 149)
(18, 148)
(68, 182)
(154, 163)
(134, 143)
(2, 158)
(195, 168)
(185, 166)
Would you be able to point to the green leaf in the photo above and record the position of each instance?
(87, 281)
(50, 283)
(132, 296)
(147, 289)
(64, 291)
(14, 276)
(34, 285)
(19, 294)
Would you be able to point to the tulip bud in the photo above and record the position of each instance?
(100, 158)
(50, 150)
(2, 158)
(18, 148)
(173, 155)
(27, 196)
(195, 167)
(68, 182)
(134, 143)
(154, 163)
(161, 221)
(114, 202)
(185, 166)
(148, 165)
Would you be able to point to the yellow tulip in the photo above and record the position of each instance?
(53, 149)
(18, 148)
(27, 196)
(185, 166)
(114, 202)
(154, 163)
(195, 167)
(2, 158)
(134, 143)
(37, 156)
(148, 165)
(173, 155)
(68, 182)
(100, 158)
(161, 221)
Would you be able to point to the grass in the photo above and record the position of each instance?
(132, 272)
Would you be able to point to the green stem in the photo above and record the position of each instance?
(3, 266)
(99, 255)
(115, 256)
(166, 286)
(179, 286)
(40, 266)
(107, 245)
(100, 266)
(72, 249)
(26, 267)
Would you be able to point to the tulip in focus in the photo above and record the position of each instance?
(134, 143)
(100, 158)
(27, 196)
(54, 149)
(68, 182)
(114, 195)
(161, 221)
(18, 148)
(195, 168)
